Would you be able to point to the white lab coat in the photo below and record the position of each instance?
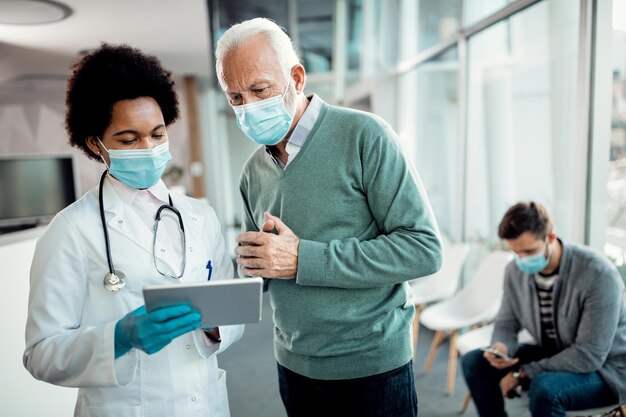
(71, 316)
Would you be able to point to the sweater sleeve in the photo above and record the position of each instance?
(596, 330)
(408, 244)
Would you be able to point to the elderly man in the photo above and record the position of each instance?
(571, 300)
(337, 224)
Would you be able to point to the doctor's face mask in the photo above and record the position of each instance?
(138, 168)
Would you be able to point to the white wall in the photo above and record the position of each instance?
(21, 395)
(32, 121)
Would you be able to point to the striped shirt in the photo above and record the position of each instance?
(301, 131)
(545, 287)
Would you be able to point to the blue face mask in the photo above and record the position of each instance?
(139, 168)
(266, 122)
(534, 263)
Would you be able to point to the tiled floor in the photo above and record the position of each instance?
(253, 389)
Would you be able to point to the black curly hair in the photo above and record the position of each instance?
(107, 75)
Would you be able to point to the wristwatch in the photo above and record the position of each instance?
(519, 374)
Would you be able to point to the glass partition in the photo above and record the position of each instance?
(476, 10)
(615, 245)
(311, 28)
(428, 131)
(315, 34)
(521, 118)
(436, 21)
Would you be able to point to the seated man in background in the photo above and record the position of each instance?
(571, 300)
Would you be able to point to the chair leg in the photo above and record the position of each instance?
(466, 402)
(416, 326)
(452, 362)
(433, 350)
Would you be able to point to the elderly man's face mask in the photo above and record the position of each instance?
(266, 122)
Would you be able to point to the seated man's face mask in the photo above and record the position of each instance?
(534, 263)
(266, 122)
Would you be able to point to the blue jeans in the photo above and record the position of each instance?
(388, 394)
(550, 394)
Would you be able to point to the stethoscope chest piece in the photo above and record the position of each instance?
(114, 282)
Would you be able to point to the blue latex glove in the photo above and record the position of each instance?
(151, 332)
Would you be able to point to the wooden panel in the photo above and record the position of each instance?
(196, 167)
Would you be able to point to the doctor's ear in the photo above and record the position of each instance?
(93, 145)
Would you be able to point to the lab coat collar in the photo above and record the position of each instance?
(123, 219)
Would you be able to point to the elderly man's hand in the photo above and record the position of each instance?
(268, 255)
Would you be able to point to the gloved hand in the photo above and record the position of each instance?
(151, 332)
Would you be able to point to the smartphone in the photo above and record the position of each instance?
(499, 354)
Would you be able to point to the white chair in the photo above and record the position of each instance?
(477, 302)
(481, 337)
(440, 285)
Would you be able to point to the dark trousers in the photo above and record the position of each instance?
(384, 395)
(550, 394)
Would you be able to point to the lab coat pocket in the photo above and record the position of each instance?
(221, 392)
(121, 411)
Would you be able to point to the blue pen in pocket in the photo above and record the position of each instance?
(209, 268)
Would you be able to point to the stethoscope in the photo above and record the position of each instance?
(115, 280)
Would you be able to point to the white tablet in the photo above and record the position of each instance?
(223, 302)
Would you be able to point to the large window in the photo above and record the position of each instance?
(615, 247)
(495, 101)
(521, 118)
(309, 23)
(476, 10)
(428, 131)
(437, 21)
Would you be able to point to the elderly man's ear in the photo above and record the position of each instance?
(298, 74)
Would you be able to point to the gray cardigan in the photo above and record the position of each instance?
(589, 315)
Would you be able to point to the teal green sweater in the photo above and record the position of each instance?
(365, 227)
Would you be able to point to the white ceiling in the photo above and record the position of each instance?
(175, 31)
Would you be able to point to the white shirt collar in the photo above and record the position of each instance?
(129, 194)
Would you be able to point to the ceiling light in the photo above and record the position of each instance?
(32, 12)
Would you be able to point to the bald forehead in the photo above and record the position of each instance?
(252, 61)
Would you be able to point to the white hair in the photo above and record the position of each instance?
(237, 34)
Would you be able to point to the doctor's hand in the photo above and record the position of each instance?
(268, 255)
(151, 332)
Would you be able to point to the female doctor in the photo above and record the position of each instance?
(87, 326)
